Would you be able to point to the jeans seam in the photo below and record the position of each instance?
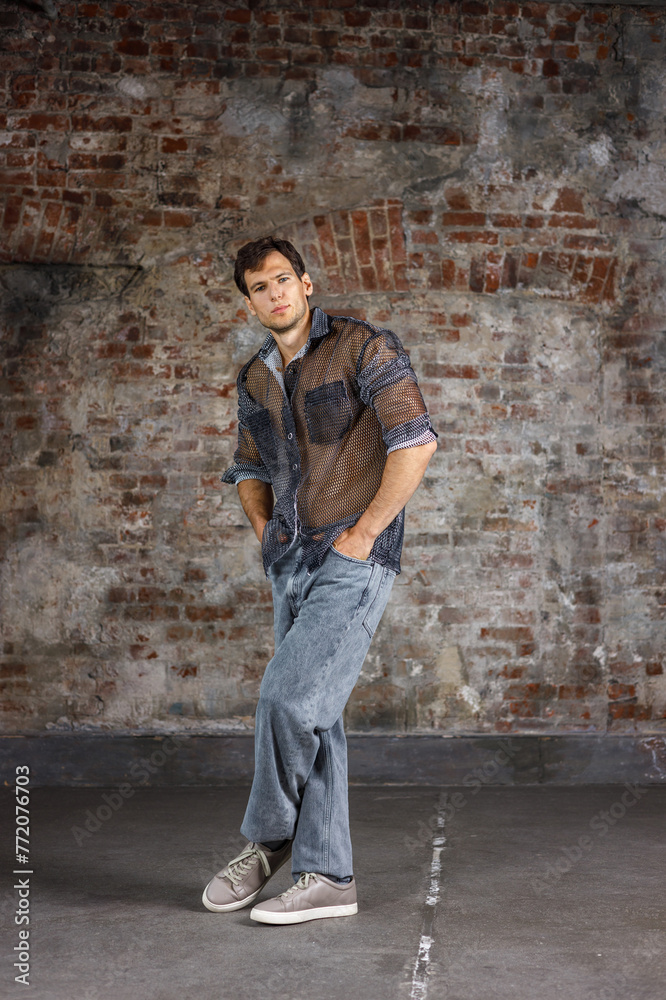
(323, 736)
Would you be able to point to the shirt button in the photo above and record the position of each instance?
(294, 467)
(289, 437)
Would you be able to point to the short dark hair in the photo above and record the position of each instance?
(252, 255)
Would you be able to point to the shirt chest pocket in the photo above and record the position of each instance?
(328, 412)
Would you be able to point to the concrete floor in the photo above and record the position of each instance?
(480, 893)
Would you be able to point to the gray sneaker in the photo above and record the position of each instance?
(311, 898)
(243, 878)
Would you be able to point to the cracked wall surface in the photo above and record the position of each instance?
(488, 179)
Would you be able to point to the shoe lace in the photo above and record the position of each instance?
(302, 883)
(238, 868)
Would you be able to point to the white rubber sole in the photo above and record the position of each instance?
(300, 916)
(227, 907)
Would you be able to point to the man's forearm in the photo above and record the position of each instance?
(256, 498)
(403, 472)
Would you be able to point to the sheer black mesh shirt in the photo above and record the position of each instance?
(320, 431)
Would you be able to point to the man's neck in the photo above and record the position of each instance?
(290, 342)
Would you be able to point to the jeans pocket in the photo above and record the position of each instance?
(351, 559)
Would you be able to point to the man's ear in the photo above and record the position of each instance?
(307, 284)
(249, 305)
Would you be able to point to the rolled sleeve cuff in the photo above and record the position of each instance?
(243, 470)
(410, 435)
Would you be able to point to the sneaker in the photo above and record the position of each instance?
(311, 898)
(244, 877)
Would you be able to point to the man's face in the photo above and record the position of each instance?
(278, 297)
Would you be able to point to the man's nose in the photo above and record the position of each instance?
(276, 290)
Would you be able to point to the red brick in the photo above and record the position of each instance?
(109, 123)
(177, 220)
(569, 200)
(441, 370)
(40, 122)
(357, 18)
(397, 236)
(326, 240)
(325, 39)
(111, 351)
(171, 145)
(148, 13)
(361, 237)
(151, 217)
(425, 236)
(25, 423)
(466, 236)
(372, 131)
(621, 710)
(238, 16)
(208, 613)
(506, 633)
(12, 211)
(506, 221)
(132, 47)
(464, 219)
(617, 691)
(442, 135)
(274, 54)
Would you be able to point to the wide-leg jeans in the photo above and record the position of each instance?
(324, 622)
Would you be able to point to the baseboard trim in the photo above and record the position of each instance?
(103, 760)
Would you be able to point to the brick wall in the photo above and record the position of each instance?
(486, 178)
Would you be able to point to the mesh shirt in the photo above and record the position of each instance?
(320, 432)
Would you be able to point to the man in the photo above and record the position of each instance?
(333, 439)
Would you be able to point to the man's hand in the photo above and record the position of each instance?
(353, 542)
(256, 498)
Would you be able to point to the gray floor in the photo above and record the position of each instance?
(464, 894)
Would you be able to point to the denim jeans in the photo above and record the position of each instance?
(324, 622)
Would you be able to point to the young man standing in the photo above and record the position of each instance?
(333, 439)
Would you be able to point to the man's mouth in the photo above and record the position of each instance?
(279, 309)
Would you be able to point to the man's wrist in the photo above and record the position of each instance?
(362, 534)
(355, 541)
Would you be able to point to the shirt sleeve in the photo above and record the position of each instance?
(247, 460)
(387, 382)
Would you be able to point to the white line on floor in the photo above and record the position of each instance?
(419, 989)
